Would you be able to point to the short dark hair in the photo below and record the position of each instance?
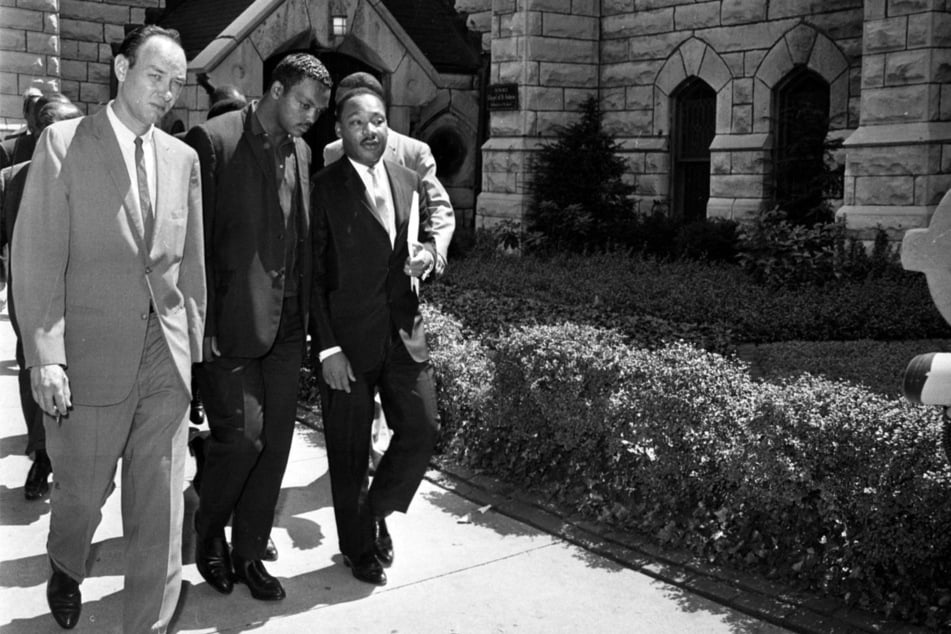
(296, 67)
(138, 36)
(54, 111)
(346, 95)
(361, 80)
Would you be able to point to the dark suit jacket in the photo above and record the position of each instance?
(244, 234)
(16, 149)
(361, 293)
(12, 181)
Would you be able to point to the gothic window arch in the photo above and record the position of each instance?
(801, 103)
(694, 126)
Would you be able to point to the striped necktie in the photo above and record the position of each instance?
(145, 201)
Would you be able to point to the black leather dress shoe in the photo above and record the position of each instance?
(196, 412)
(270, 552)
(262, 585)
(37, 480)
(382, 542)
(367, 568)
(214, 562)
(64, 598)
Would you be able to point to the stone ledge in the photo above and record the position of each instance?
(900, 134)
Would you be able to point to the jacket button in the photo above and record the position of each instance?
(145, 315)
(148, 270)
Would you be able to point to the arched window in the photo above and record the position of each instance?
(695, 105)
(802, 122)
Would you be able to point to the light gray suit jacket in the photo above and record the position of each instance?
(85, 277)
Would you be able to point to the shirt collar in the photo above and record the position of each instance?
(257, 128)
(123, 133)
(362, 168)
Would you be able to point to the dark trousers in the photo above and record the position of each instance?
(32, 414)
(408, 395)
(251, 405)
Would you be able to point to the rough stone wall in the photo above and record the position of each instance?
(899, 160)
(549, 49)
(479, 20)
(61, 45)
(740, 48)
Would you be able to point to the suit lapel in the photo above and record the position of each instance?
(358, 191)
(402, 196)
(111, 158)
(303, 179)
(259, 151)
(164, 193)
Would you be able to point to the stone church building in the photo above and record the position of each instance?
(707, 99)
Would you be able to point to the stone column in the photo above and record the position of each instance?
(549, 49)
(898, 162)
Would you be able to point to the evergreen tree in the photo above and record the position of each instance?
(580, 201)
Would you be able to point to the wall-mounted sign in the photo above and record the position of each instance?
(503, 96)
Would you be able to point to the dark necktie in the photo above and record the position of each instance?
(145, 201)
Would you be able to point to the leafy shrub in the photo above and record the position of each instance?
(463, 373)
(780, 253)
(813, 482)
(710, 304)
(713, 240)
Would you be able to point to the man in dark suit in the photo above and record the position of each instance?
(109, 284)
(373, 240)
(12, 182)
(255, 185)
(18, 147)
(415, 155)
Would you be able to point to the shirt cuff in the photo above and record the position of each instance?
(329, 352)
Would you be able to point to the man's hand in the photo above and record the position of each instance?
(337, 372)
(50, 387)
(209, 349)
(419, 262)
(440, 265)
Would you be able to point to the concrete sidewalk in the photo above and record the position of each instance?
(469, 559)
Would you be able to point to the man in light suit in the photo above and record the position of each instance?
(12, 182)
(255, 185)
(373, 239)
(110, 296)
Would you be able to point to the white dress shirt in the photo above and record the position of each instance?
(126, 139)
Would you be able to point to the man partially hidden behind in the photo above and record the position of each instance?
(12, 183)
(18, 147)
(109, 286)
(255, 186)
(373, 240)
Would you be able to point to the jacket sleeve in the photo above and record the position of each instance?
(442, 218)
(203, 144)
(192, 282)
(40, 252)
(324, 275)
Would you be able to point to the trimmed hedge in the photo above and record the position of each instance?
(814, 482)
(712, 305)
